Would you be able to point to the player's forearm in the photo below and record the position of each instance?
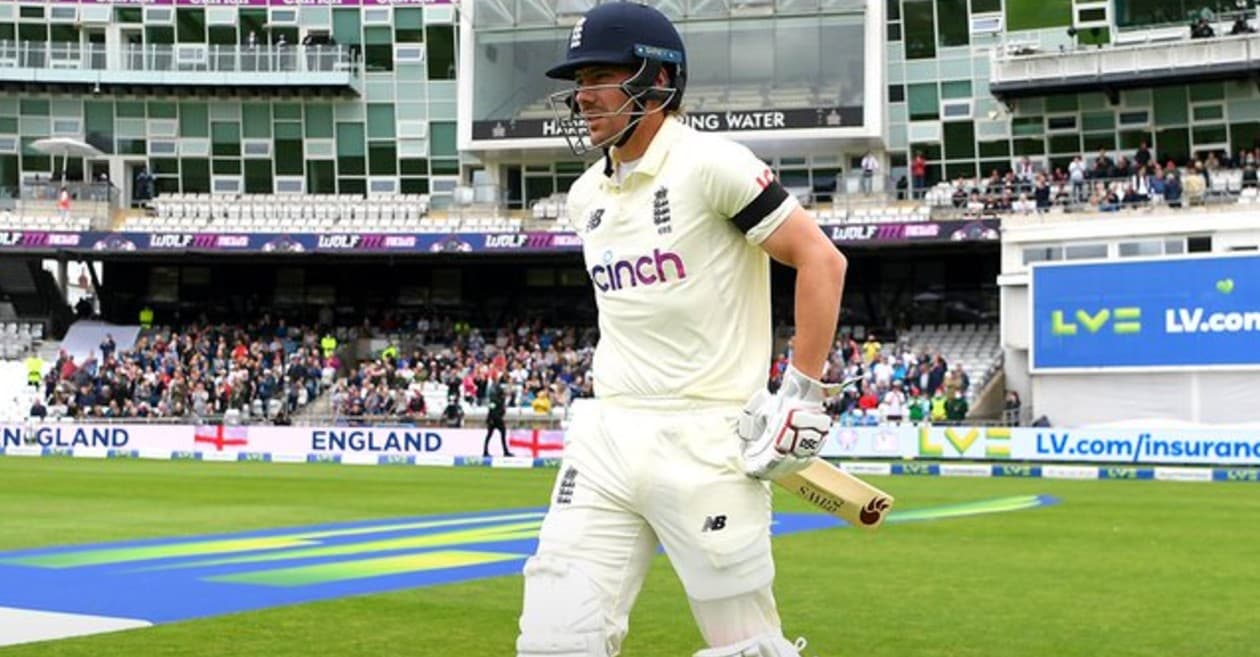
(819, 285)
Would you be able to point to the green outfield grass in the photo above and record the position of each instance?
(1119, 568)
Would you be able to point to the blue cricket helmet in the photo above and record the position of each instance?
(627, 34)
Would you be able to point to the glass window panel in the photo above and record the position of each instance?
(33, 107)
(129, 14)
(956, 89)
(98, 125)
(190, 25)
(63, 34)
(1030, 15)
(1209, 113)
(893, 10)
(922, 101)
(953, 23)
(1211, 134)
(1173, 144)
(1061, 122)
(378, 49)
(413, 186)
(352, 186)
(1144, 248)
(1207, 91)
(1170, 106)
(129, 109)
(162, 110)
(227, 167)
(1065, 143)
(164, 166)
(8, 125)
(289, 158)
(321, 177)
(1096, 121)
(258, 177)
(931, 150)
(920, 29)
(319, 121)
(1132, 139)
(960, 140)
(347, 26)
(1026, 146)
(253, 21)
(287, 111)
(955, 170)
(413, 166)
(159, 34)
(896, 93)
(194, 175)
(256, 121)
(1244, 135)
(382, 158)
(409, 18)
(1027, 125)
(223, 35)
(442, 139)
(1061, 103)
(194, 120)
(350, 139)
(225, 138)
(380, 120)
(288, 130)
(1093, 142)
(351, 165)
(1084, 251)
(999, 148)
(440, 51)
(986, 6)
(131, 147)
(443, 167)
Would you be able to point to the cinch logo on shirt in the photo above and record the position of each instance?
(633, 272)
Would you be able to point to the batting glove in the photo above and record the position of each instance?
(783, 431)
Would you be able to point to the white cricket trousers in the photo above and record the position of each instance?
(635, 474)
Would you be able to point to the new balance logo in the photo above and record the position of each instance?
(714, 523)
(564, 492)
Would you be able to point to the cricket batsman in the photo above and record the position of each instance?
(682, 438)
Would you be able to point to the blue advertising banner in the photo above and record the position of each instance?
(1152, 314)
(37, 241)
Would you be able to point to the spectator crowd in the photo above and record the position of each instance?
(269, 369)
(1101, 184)
(890, 384)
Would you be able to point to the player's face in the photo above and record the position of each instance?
(601, 101)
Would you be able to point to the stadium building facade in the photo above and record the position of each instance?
(380, 98)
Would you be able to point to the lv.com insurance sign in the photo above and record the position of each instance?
(1164, 313)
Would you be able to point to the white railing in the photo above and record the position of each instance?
(183, 57)
(1139, 59)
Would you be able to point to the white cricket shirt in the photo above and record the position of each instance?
(681, 282)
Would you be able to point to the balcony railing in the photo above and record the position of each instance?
(179, 64)
(1025, 71)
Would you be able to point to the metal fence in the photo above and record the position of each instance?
(182, 57)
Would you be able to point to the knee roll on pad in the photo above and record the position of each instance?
(563, 615)
(766, 645)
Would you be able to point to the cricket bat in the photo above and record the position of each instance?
(839, 493)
